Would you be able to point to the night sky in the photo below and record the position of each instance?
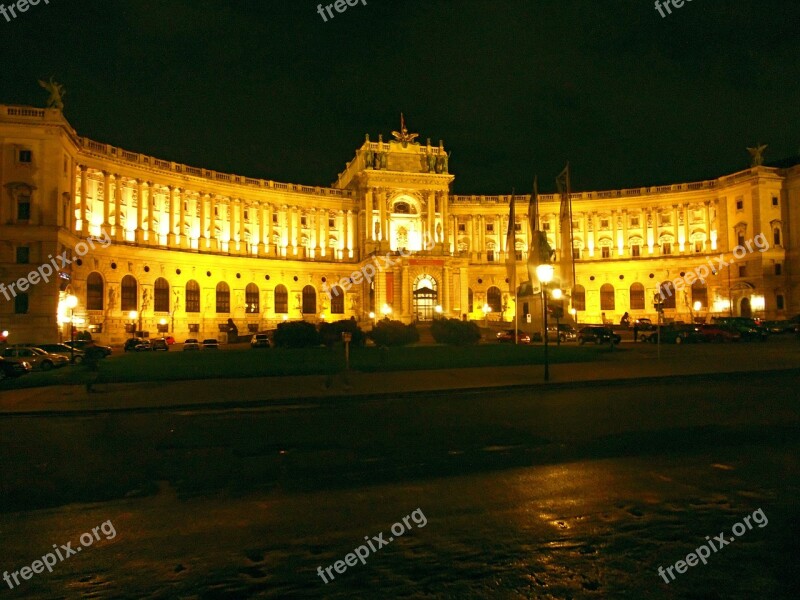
(516, 87)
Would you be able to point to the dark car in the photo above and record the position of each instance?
(566, 332)
(260, 340)
(82, 345)
(750, 329)
(210, 344)
(675, 333)
(712, 332)
(10, 369)
(36, 357)
(643, 324)
(75, 355)
(779, 327)
(507, 335)
(143, 346)
(130, 344)
(598, 334)
(160, 344)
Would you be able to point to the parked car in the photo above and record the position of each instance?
(779, 327)
(750, 329)
(130, 344)
(191, 344)
(712, 332)
(566, 332)
(260, 340)
(507, 335)
(160, 344)
(599, 334)
(643, 324)
(675, 333)
(143, 346)
(76, 356)
(36, 357)
(82, 345)
(10, 369)
(210, 344)
(169, 339)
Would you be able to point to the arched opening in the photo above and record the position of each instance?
(607, 301)
(252, 299)
(745, 309)
(161, 295)
(281, 300)
(309, 300)
(494, 298)
(426, 297)
(129, 293)
(94, 292)
(637, 296)
(579, 298)
(192, 296)
(337, 300)
(667, 294)
(223, 298)
(700, 294)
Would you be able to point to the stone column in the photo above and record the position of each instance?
(405, 291)
(686, 229)
(446, 280)
(201, 198)
(119, 233)
(172, 241)
(151, 213)
(446, 222)
(323, 243)
(289, 212)
(431, 203)
(106, 199)
(139, 211)
(269, 228)
(231, 225)
(262, 228)
(369, 214)
(624, 229)
(348, 227)
(243, 246)
(675, 226)
(708, 225)
(84, 192)
(382, 213)
(213, 215)
(182, 236)
(464, 301)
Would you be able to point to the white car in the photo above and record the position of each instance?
(38, 358)
(191, 344)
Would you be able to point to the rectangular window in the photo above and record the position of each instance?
(546, 226)
(666, 219)
(739, 204)
(576, 253)
(246, 217)
(778, 268)
(517, 226)
(666, 248)
(274, 217)
(518, 255)
(603, 223)
(635, 250)
(21, 304)
(576, 225)
(605, 252)
(490, 255)
(740, 239)
(490, 227)
(462, 227)
(303, 221)
(774, 201)
(23, 255)
(25, 156)
(331, 223)
(779, 302)
(24, 208)
(742, 270)
(698, 246)
(634, 221)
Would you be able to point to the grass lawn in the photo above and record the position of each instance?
(244, 362)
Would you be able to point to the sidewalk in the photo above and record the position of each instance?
(632, 364)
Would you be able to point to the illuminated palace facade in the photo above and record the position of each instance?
(189, 248)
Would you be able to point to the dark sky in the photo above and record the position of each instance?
(514, 87)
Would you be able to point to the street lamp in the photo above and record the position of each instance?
(386, 310)
(486, 310)
(545, 274)
(71, 302)
(438, 310)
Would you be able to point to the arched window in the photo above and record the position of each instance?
(223, 298)
(494, 299)
(637, 296)
(607, 297)
(94, 292)
(700, 294)
(130, 293)
(471, 299)
(667, 294)
(252, 299)
(192, 297)
(281, 300)
(579, 297)
(776, 236)
(161, 295)
(309, 300)
(337, 300)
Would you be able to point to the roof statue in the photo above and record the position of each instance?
(758, 155)
(57, 93)
(403, 135)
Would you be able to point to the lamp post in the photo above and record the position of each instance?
(71, 302)
(545, 274)
(557, 294)
(386, 311)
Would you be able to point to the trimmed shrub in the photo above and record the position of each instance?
(394, 333)
(296, 334)
(331, 333)
(455, 332)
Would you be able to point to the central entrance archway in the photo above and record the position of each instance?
(426, 298)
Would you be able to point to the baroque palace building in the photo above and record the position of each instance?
(183, 249)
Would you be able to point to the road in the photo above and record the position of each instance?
(571, 493)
